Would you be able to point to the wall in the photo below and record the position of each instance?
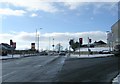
(116, 33)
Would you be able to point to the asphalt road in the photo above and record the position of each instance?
(102, 69)
(32, 69)
(60, 69)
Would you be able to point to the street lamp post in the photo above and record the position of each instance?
(37, 39)
(38, 42)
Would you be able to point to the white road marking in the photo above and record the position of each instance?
(38, 66)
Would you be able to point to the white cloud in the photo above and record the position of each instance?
(86, 0)
(72, 5)
(34, 15)
(8, 11)
(32, 5)
(24, 39)
(50, 6)
(112, 8)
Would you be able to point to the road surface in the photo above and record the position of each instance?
(32, 69)
(102, 69)
(60, 69)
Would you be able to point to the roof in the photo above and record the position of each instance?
(5, 46)
(99, 42)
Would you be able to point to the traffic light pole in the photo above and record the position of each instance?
(80, 43)
(88, 48)
(79, 49)
(89, 41)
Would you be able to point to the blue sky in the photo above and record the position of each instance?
(56, 18)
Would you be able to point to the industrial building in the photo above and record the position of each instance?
(115, 30)
(113, 37)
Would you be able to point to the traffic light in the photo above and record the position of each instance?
(71, 42)
(80, 40)
(14, 45)
(33, 46)
(90, 40)
(11, 42)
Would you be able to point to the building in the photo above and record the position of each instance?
(110, 40)
(5, 48)
(99, 43)
(115, 30)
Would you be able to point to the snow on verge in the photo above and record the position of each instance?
(90, 56)
(116, 80)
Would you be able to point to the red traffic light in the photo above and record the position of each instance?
(14, 45)
(80, 40)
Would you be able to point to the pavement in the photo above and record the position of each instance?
(90, 56)
(15, 56)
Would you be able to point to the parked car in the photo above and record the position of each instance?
(43, 53)
(4, 53)
(62, 53)
(104, 52)
(50, 54)
(117, 50)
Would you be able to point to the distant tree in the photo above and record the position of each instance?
(66, 49)
(73, 45)
(71, 42)
(59, 47)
